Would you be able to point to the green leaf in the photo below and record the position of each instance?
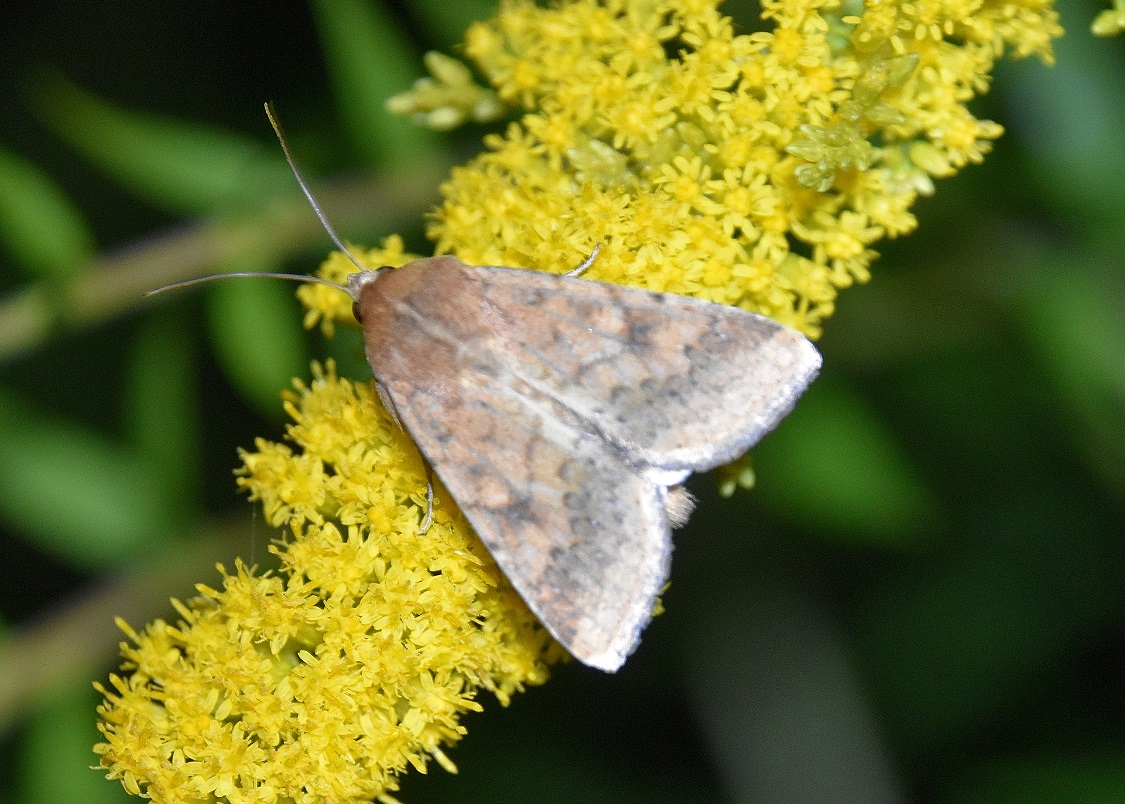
(776, 693)
(41, 229)
(346, 349)
(1075, 323)
(74, 493)
(952, 644)
(256, 330)
(181, 166)
(57, 755)
(446, 22)
(370, 60)
(1089, 780)
(834, 466)
(161, 396)
(1070, 119)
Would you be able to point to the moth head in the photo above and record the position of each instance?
(357, 282)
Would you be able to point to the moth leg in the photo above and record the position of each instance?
(585, 263)
(429, 518)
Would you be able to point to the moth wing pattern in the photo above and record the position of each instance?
(678, 382)
(558, 412)
(578, 529)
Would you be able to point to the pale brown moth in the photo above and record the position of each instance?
(562, 415)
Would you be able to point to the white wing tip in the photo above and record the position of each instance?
(610, 661)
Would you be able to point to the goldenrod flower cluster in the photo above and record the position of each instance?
(354, 661)
(751, 169)
(1111, 21)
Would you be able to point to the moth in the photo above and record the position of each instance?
(563, 415)
(559, 412)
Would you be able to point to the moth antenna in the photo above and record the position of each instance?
(308, 193)
(252, 274)
(320, 216)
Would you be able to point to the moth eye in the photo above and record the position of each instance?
(355, 312)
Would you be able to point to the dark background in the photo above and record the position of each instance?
(921, 601)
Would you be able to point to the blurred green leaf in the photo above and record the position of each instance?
(180, 166)
(57, 752)
(776, 694)
(954, 645)
(1075, 320)
(370, 60)
(42, 230)
(1071, 118)
(162, 413)
(346, 348)
(835, 467)
(446, 22)
(255, 327)
(1093, 780)
(75, 493)
(26, 319)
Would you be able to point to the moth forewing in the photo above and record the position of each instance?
(559, 411)
(680, 382)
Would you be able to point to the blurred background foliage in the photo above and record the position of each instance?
(922, 600)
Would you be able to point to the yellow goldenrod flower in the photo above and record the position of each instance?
(354, 661)
(448, 99)
(751, 169)
(1111, 21)
(701, 158)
